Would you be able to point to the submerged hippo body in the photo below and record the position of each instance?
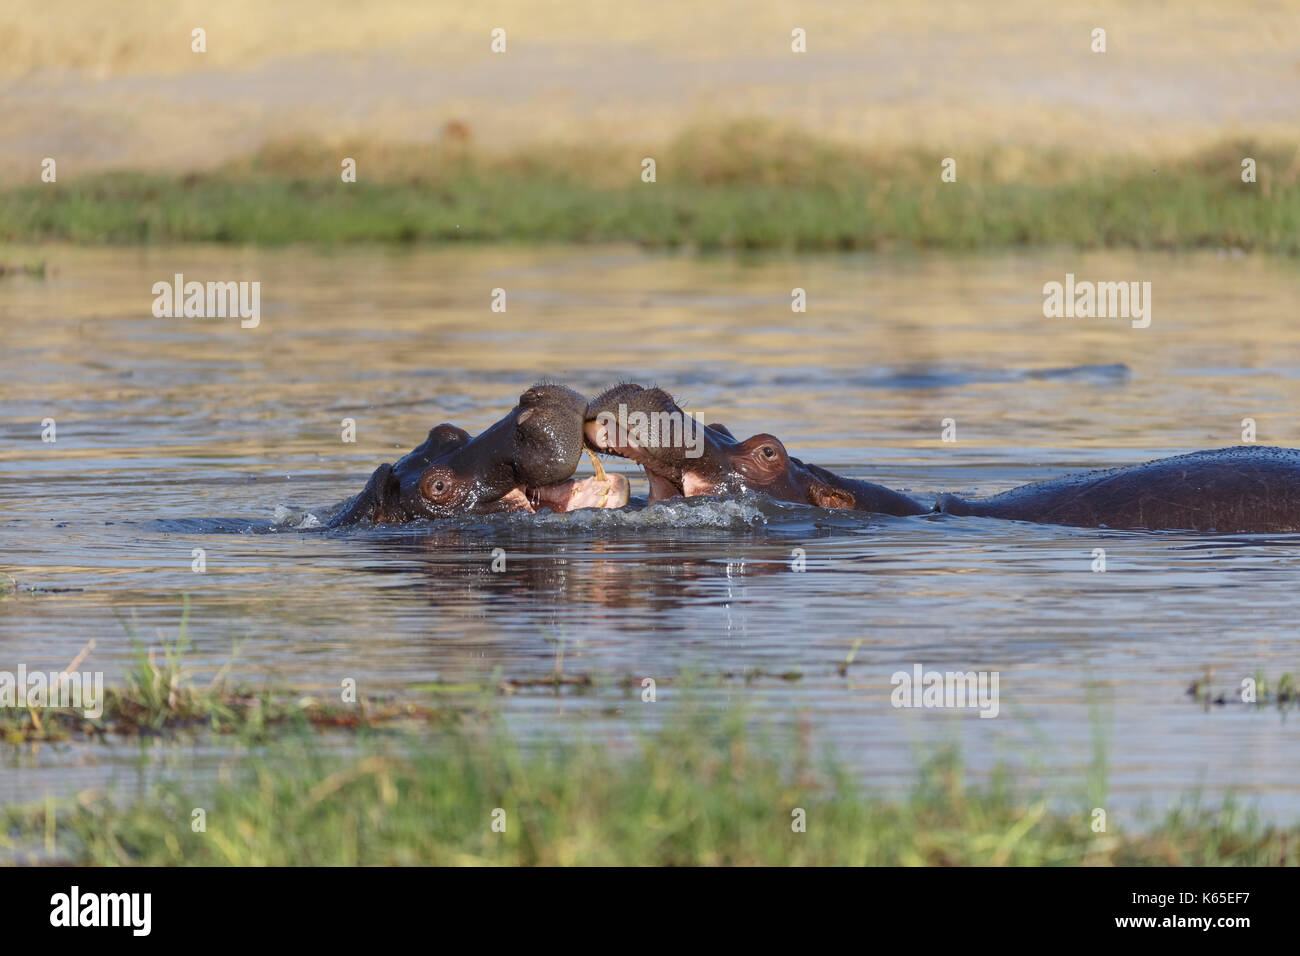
(1250, 489)
(522, 463)
(683, 457)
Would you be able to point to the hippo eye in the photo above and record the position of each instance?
(437, 489)
(769, 451)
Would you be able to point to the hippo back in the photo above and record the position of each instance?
(1244, 489)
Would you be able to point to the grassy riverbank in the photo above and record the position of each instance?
(425, 785)
(746, 186)
(310, 782)
(699, 792)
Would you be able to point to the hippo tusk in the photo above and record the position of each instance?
(600, 476)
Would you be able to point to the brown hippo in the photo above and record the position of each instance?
(682, 457)
(524, 462)
(1248, 489)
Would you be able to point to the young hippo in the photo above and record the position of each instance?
(682, 457)
(524, 462)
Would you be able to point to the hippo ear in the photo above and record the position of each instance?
(722, 429)
(824, 496)
(442, 439)
(380, 496)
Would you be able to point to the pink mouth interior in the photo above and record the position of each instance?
(570, 495)
(663, 478)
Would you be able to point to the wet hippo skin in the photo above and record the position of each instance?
(1243, 489)
(683, 457)
(523, 462)
(1248, 488)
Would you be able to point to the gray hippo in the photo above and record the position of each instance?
(1249, 489)
(682, 457)
(524, 462)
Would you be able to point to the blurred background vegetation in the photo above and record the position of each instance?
(756, 146)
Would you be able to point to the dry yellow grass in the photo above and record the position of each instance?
(149, 37)
(117, 85)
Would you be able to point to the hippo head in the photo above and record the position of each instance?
(683, 457)
(523, 462)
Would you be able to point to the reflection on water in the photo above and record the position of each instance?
(183, 434)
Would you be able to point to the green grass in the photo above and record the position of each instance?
(307, 782)
(703, 790)
(1284, 696)
(159, 699)
(742, 187)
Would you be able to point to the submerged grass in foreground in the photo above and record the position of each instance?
(159, 699)
(746, 186)
(701, 791)
(448, 784)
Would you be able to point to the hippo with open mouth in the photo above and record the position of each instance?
(1248, 489)
(524, 462)
(682, 457)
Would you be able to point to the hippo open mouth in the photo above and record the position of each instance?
(647, 427)
(524, 462)
(683, 457)
(602, 490)
(680, 455)
(666, 479)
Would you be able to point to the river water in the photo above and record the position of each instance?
(177, 434)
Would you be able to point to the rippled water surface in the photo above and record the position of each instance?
(176, 434)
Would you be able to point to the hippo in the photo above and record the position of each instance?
(682, 457)
(524, 462)
(1247, 489)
